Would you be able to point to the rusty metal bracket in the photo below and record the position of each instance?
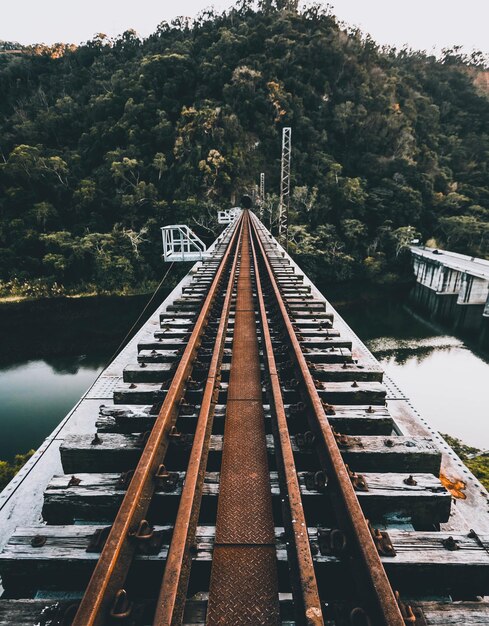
(124, 479)
(382, 541)
(305, 441)
(316, 481)
(147, 539)
(328, 408)
(174, 435)
(166, 481)
(124, 611)
(186, 408)
(343, 441)
(193, 384)
(97, 541)
(357, 480)
(412, 615)
(332, 541)
(179, 439)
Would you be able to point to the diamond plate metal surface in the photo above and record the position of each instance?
(244, 587)
(245, 503)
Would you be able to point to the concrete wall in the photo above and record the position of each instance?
(452, 295)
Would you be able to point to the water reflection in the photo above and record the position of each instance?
(49, 357)
(72, 365)
(51, 353)
(402, 350)
(444, 378)
(35, 396)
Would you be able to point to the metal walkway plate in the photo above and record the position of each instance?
(244, 586)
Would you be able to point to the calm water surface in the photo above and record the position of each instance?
(52, 352)
(445, 379)
(36, 395)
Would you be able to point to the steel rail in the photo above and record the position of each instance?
(106, 584)
(244, 586)
(381, 601)
(304, 585)
(171, 600)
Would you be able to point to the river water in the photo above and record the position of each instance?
(52, 351)
(445, 378)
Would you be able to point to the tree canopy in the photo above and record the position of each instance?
(103, 143)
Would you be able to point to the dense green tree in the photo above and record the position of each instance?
(103, 143)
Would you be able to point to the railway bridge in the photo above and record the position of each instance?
(244, 461)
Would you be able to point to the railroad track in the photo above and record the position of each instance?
(248, 471)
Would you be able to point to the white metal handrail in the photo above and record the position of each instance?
(181, 244)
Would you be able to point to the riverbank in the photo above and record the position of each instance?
(476, 460)
(15, 291)
(93, 294)
(32, 297)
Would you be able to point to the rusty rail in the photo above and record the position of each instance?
(381, 606)
(171, 600)
(105, 595)
(244, 576)
(304, 584)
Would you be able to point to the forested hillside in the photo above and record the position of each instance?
(103, 143)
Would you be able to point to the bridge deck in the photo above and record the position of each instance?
(83, 473)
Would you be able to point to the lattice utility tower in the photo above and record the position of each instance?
(283, 215)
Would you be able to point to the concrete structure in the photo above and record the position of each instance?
(453, 288)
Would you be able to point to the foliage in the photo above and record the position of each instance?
(103, 143)
(477, 463)
(8, 470)
(34, 288)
